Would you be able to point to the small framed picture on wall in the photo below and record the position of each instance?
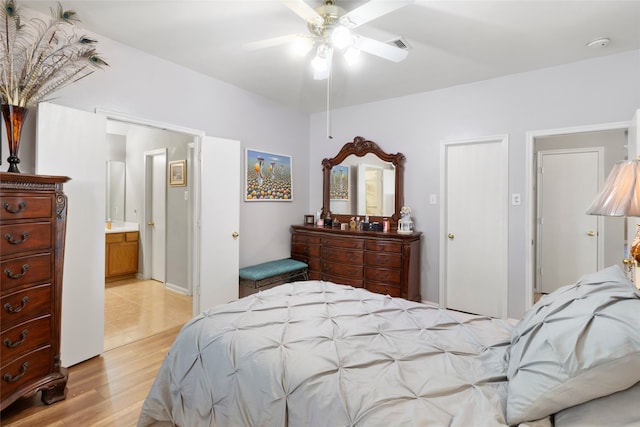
(178, 173)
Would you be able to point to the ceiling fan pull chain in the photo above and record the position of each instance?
(329, 136)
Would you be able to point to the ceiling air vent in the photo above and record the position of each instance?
(400, 42)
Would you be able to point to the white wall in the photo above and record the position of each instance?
(589, 92)
(144, 86)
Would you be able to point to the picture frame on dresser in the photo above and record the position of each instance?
(268, 177)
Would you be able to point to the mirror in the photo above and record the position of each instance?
(115, 191)
(363, 180)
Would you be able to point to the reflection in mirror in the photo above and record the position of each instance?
(364, 186)
(115, 191)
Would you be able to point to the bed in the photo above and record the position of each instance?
(316, 353)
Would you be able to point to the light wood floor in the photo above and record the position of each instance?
(107, 390)
(136, 309)
(141, 321)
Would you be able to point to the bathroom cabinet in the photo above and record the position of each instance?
(121, 255)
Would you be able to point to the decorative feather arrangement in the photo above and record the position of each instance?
(39, 57)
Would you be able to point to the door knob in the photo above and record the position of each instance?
(234, 234)
(151, 223)
(451, 235)
(591, 234)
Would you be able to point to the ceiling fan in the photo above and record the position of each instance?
(330, 30)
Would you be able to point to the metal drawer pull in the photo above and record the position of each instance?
(383, 260)
(13, 241)
(383, 276)
(7, 207)
(23, 370)
(10, 309)
(13, 275)
(10, 344)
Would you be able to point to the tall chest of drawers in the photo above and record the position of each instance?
(387, 263)
(32, 229)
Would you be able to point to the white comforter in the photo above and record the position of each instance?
(319, 354)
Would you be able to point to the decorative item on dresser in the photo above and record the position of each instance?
(386, 263)
(37, 58)
(32, 227)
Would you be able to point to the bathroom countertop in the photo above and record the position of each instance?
(121, 228)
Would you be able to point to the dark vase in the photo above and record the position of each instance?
(14, 118)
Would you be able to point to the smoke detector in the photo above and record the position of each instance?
(597, 43)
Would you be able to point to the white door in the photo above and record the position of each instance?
(72, 143)
(473, 268)
(568, 181)
(633, 147)
(219, 220)
(156, 218)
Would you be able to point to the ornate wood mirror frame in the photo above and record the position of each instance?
(360, 147)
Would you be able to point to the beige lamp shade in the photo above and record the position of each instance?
(620, 195)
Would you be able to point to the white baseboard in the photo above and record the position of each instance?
(176, 288)
(431, 303)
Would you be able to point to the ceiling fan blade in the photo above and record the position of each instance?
(271, 42)
(302, 9)
(380, 49)
(371, 10)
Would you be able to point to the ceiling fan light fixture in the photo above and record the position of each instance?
(301, 45)
(320, 63)
(351, 55)
(341, 37)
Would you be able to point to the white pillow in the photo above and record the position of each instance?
(619, 409)
(578, 343)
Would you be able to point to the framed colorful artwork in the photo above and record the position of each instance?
(268, 177)
(339, 187)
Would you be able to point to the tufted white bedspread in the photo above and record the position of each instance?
(319, 354)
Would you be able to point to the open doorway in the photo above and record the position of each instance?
(597, 242)
(158, 296)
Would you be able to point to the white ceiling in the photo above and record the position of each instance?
(452, 42)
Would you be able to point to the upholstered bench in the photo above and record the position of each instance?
(269, 274)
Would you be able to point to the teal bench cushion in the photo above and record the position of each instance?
(272, 268)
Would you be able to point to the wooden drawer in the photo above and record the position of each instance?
(26, 207)
(25, 337)
(342, 270)
(381, 288)
(25, 370)
(383, 259)
(382, 246)
(114, 237)
(343, 242)
(129, 236)
(23, 305)
(300, 249)
(305, 238)
(383, 275)
(25, 237)
(356, 283)
(26, 270)
(342, 255)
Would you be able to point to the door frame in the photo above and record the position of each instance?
(504, 141)
(147, 263)
(599, 219)
(530, 182)
(194, 238)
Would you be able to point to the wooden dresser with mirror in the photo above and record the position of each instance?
(362, 181)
